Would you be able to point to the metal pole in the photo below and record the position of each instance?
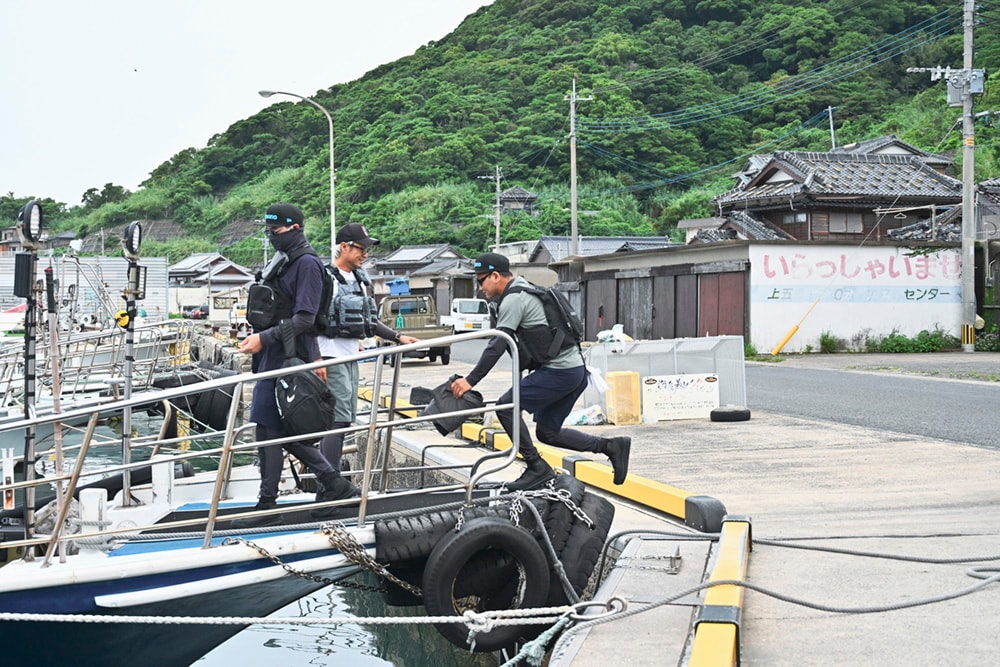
(30, 332)
(496, 214)
(574, 243)
(55, 366)
(333, 176)
(833, 137)
(133, 288)
(968, 189)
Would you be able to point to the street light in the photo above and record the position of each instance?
(329, 119)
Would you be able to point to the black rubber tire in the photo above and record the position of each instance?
(560, 517)
(411, 537)
(730, 413)
(432, 357)
(486, 574)
(411, 572)
(222, 398)
(445, 358)
(583, 548)
(453, 554)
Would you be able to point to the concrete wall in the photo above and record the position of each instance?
(857, 292)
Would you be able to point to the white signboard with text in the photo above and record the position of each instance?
(685, 396)
(852, 293)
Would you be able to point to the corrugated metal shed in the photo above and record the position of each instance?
(94, 276)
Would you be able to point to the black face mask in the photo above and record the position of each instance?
(288, 241)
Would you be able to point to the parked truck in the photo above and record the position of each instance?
(467, 315)
(415, 315)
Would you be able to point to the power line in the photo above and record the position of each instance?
(887, 49)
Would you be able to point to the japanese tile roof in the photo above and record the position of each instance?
(741, 225)
(890, 144)
(441, 267)
(517, 193)
(749, 227)
(558, 246)
(941, 230)
(700, 223)
(879, 177)
(714, 236)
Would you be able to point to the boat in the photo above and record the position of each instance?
(129, 572)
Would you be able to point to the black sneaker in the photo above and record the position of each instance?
(618, 450)
(339, 489)
(535, 475)
(260, 521)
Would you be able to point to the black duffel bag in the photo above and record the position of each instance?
(305, 402)
(443, 401)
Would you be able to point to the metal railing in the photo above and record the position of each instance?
(223, 445)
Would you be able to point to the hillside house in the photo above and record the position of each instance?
(852, 193)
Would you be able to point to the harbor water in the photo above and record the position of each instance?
(405, 645)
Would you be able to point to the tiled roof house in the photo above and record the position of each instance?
(839, 195)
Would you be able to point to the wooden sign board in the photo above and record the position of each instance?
(687, 396)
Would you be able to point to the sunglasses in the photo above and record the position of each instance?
(273, 231)
(362, 248)
(482, 279)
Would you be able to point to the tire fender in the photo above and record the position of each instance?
(480, 538)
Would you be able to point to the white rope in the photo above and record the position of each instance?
(479, 621)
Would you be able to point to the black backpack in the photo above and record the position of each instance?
(305, 402)
(267, 304)
(539, 345)
(351, 314)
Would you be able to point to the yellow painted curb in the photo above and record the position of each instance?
(716, 636)
(700, 512)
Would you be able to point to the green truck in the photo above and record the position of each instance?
(415, 315)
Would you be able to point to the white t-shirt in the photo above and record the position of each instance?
(339, 347)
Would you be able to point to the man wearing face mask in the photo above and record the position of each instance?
(301, 279)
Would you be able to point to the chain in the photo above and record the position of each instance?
(351, 550)
(562, 496)
(356, 553)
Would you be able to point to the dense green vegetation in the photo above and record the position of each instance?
(682, 92)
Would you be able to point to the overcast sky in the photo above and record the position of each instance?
(99, 91)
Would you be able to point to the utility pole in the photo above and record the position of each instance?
(574, 242)
(962, 85)
(496, 207)
(833, 138)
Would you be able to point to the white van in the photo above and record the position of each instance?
(467, 315)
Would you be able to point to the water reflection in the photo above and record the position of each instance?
(404, 645)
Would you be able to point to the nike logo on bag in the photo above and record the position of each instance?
(289, 398)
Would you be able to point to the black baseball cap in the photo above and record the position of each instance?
(489, 262)
(283, 215)
(355, 233)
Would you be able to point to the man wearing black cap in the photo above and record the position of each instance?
(353, 244)
(548, 392)
(302, 278)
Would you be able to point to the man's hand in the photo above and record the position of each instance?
(406, 340)
(321, 372)
(251, 344)
(459, 387)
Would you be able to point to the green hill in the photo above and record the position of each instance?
(680, 93)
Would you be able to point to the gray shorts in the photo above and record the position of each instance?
(342, 380)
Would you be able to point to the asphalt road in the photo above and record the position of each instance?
(959, 411)
(954, 410)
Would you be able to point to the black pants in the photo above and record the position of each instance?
(549, 395)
